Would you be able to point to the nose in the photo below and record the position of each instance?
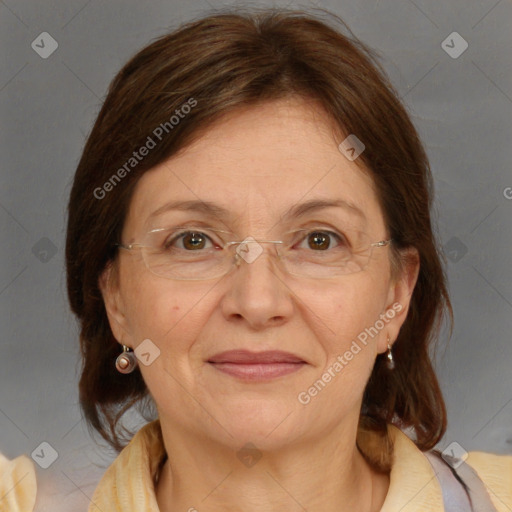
(257, 293)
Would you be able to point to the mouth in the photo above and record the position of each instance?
(256, 366)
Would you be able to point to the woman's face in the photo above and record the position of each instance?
(256, 164)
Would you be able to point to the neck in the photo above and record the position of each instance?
(329, 475)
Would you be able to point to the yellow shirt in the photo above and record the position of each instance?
(17, 484)
(128, 485)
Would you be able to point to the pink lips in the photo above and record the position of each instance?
(256, 366)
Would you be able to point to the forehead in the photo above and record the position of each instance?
(257, 164)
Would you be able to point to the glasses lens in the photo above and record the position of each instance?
(190, 265)
(184, 253)
(324, 254)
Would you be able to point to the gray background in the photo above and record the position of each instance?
(462, 108)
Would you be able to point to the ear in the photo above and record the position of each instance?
(399, 297)
(108, 283)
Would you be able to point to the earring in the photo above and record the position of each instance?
(126, 362)
(390, 363)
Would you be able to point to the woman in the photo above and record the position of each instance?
(249, 248)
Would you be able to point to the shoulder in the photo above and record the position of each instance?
(17, 484)
(414, 484)
(496, 473)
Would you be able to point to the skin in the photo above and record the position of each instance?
(257, 162)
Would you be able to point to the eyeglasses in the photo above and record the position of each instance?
(185, 253)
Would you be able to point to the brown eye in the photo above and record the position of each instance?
(319, 240)
(193, 240)
(188, 240)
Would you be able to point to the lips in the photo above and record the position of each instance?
(256, 366)
(247, 357)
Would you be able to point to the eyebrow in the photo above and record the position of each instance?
(296, 211)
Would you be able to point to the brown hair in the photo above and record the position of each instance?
(223, 62)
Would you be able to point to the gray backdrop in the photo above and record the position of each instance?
(460, 100)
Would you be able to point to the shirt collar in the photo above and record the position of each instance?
(129, 483)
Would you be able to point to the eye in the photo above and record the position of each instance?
(322, 240)
(189, 241)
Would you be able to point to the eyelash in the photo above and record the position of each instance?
(180, 235)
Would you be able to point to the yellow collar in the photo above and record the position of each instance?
(129, 483)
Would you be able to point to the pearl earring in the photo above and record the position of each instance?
(390, 363)
(126, 362)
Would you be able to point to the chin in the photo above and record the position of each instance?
(263, 423)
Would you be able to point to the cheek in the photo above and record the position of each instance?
(162, 311)
(349, 346)
(346, 311)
